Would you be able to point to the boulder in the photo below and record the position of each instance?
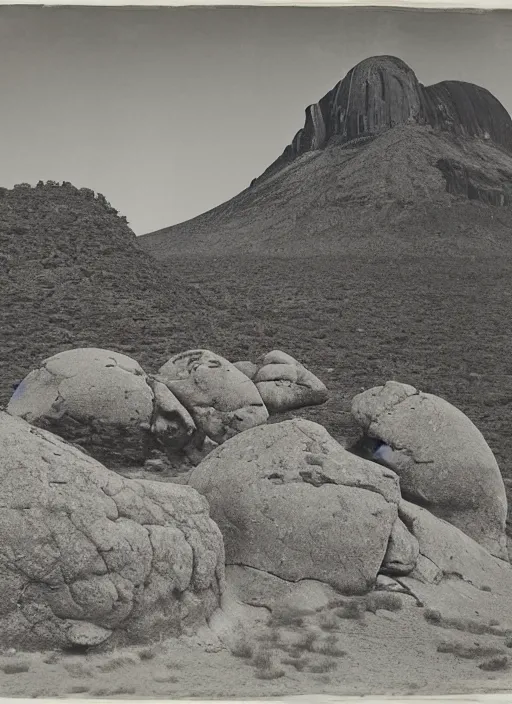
(402, 553)
(248, 368)
(104, 402)
(442, 459)
(290, 501)
(90, 557)
(445, 551)
(262, 589)
(221, 399)
(285, 384)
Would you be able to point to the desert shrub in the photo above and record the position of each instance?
(495, 664)
(383, 600)
(242, 648)
(286, 616)
(299, 663)
(432, 616)
(262, 658)
(468, 652)
(15, 668)
(328, 621)
(149, 653)
(321, 667)
(330, 646)
(352, 610)
(273, 673)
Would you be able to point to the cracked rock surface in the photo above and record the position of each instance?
(290, 501)
(221, 399)
(442, 459)
(447, 552)
(104, 402)
(88, 556)
(285, 384)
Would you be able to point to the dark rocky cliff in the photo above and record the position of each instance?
(381, 93)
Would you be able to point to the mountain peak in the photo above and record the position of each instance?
(382, 92)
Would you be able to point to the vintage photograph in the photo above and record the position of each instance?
(255, 352)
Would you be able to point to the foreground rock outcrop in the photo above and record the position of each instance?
(290, 501)
(88, 557)
(104, 402)
(220, 398)
(284, 383)
(443, 461)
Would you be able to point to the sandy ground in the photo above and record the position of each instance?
(383, 653)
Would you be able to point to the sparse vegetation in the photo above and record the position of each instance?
(324, 666)
(286, 616)
(330, 646)
(387, 601)
(262, 659)
(299, 663)
(468, 652)
(243, 648)
(328, 621)
(78, 689)
(352, 610)
(116, 663)
(149, 653)
(15, 668)
(495, 664)
(463, 624)
(433, 616)
(273, 673)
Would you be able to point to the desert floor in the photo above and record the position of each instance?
(387, 652)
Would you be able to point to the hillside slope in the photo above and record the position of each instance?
(73, 275)
(381, 161)
(410, 185)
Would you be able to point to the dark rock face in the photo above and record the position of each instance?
(475, 184)
(382, 92)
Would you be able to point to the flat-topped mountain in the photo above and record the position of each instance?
(380, 155)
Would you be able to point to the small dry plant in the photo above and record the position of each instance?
(468, 652)
(387, 601)
(15, 668)
(243, 648)
(495, 664)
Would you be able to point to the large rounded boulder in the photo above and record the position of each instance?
(89, 557)
(104, 402)
(290, 501)
(284, 383)
(442, 459)
(221, 399)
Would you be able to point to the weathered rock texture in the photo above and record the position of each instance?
(445, 551)
(221, 399)
(442, 459)
(285, 384)
(89, 557)
(292, 502)
(104, 402)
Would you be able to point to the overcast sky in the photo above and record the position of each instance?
(169, 112)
